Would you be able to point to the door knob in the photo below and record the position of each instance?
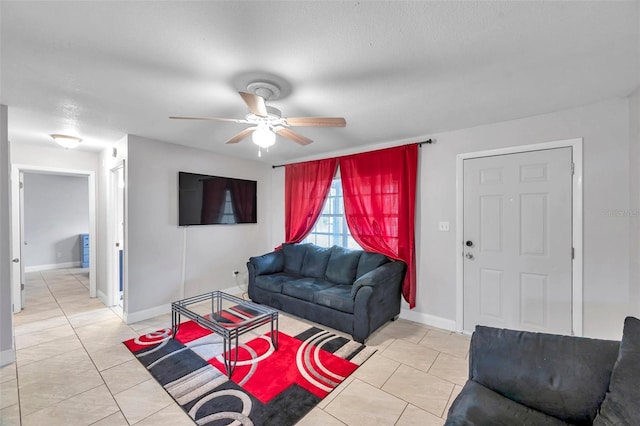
(468, 256)
(16, 260)
(469, 243)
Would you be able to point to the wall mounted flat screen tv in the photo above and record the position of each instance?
(212, 200)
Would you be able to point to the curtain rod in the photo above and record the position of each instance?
(428, 141)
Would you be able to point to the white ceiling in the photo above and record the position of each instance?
(397, 71)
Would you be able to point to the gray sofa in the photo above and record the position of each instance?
(524, 378)
(353, 291)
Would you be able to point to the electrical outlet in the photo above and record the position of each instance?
(443, 226)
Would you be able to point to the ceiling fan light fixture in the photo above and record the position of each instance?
(65, 141)
(263, 137)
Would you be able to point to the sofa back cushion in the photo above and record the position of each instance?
(343, 265)
(370, 261)
(621, 405)
(565, 377)
(293, 257)
(315, 261)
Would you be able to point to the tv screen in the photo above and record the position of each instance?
(210, 200)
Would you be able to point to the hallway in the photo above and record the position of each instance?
(71, 365)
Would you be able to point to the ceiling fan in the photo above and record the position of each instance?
(267, 121)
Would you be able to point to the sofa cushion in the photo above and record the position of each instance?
(315, 261)
(304, 288)
(621, 406)
(563, 376)
(478, 405)
(293, 257)
(343, 265)
(336, 297)
(370, 261)
(273, 282)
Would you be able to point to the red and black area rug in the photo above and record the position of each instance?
(268, 386)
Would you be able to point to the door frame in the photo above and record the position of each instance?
(576, 267)
(113, 292)
(16, 244)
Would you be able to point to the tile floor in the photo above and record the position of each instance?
(87, 377)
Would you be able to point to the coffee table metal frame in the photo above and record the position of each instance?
(229, 332)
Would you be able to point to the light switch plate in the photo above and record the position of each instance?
(443, 226)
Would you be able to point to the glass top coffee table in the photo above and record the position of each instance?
(226, 315)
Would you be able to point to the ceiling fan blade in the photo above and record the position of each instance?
(296, 137)
(243, 134)
(233, 120)
(316, 121)
(255, 103)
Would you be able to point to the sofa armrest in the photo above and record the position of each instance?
(376, 298)
(269, 263)
(384, 275)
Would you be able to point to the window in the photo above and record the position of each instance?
(331, 228)
(227, 214)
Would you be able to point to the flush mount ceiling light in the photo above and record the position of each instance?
(66, 141)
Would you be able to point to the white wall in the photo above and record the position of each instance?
(7, 353)
(54, 157)
(605, 129)
(156, 243)
(56, 211)
(634, 202)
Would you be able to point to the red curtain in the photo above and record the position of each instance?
(306, 188)
(379, 190)
(213, 195)
(243, 199)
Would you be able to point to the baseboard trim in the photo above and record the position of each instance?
(427, 319)
(7, 357)
(132, 317)
(103, 298)
(64, 265)
(233, 290)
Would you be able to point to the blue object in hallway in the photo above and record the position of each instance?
(84, 250)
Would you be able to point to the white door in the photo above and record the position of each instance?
(17, 240)
(23, 243)
(518, 241)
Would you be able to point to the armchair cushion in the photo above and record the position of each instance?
(621, 405)
(476, 404)
(343, 265)
(563, 376)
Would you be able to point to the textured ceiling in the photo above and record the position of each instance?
(397, 71)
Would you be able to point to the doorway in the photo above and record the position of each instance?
(519, 226)
(18, 231)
